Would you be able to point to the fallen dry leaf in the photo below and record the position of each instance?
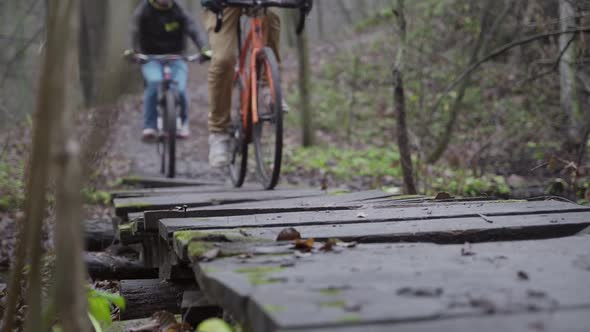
(289, 234)
(210, 255)
(179, 327)
(304, 245)
(329, 245)
(162, 321)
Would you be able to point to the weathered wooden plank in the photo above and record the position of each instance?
(400, 283)
(169, 266)
(165, 191)
(192, 243)
(161, 182)
(196, 308)
(98, 235)
(318, 203)
(124, 206)
(146, 297)
(476, 213)
(104, 266)
(571, 320)
(442, 231)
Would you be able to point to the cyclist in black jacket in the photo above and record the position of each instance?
(161, 27)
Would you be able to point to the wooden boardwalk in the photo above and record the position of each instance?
(376, 262)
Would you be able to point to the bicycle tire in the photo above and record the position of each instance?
(170, 133)
(273, 119)
(239, 138)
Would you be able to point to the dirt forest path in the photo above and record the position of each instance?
(192, 154)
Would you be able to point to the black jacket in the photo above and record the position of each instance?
(163, 31)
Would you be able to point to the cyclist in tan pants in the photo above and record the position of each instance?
(224, 45)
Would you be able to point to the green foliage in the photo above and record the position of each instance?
(96, 197)
(461, 184)
(344, 163)
(100, 304)
(383, 16)
(11, 185)
(214, 325)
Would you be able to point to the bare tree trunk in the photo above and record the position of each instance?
(400, 105)
(584, 94)
(352, 104)
(319, 5)
(362, 8)
(304, 91)
(567, 75)
(70, 273)
(92, 43)
(345, 11)
(445, 139)
(49, 101)
(116, 78)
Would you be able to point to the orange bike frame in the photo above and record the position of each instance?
(255, 43)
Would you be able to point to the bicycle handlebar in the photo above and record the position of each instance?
(294, 4)
(143, 58)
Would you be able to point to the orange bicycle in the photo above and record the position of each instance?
(258, 118)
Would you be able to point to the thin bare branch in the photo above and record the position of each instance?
(499, 51)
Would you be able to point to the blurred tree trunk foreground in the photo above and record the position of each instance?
(54, 149)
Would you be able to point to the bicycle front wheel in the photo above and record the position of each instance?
(268, 131)
(239, 137)
(170, 114)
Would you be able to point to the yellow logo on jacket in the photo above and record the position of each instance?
(172, 26)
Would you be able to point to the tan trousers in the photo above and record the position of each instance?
(225, 49)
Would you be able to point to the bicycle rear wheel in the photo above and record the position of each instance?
(268, 132)
(169, 158)
(239, 138)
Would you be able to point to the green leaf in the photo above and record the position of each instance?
(214, 325)
(100, 308)
(115, 299)
(95, 324)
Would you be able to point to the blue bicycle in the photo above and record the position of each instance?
(168, 105)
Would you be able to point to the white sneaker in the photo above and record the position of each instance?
(160, 124)
(183, 131)
(218, 150)
(285, 106)
(149, 134)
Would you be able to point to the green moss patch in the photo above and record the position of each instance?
(333, 304)
(273, 308)
(136, 205)
(260, 275)
(350, 318)
(193, 244)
